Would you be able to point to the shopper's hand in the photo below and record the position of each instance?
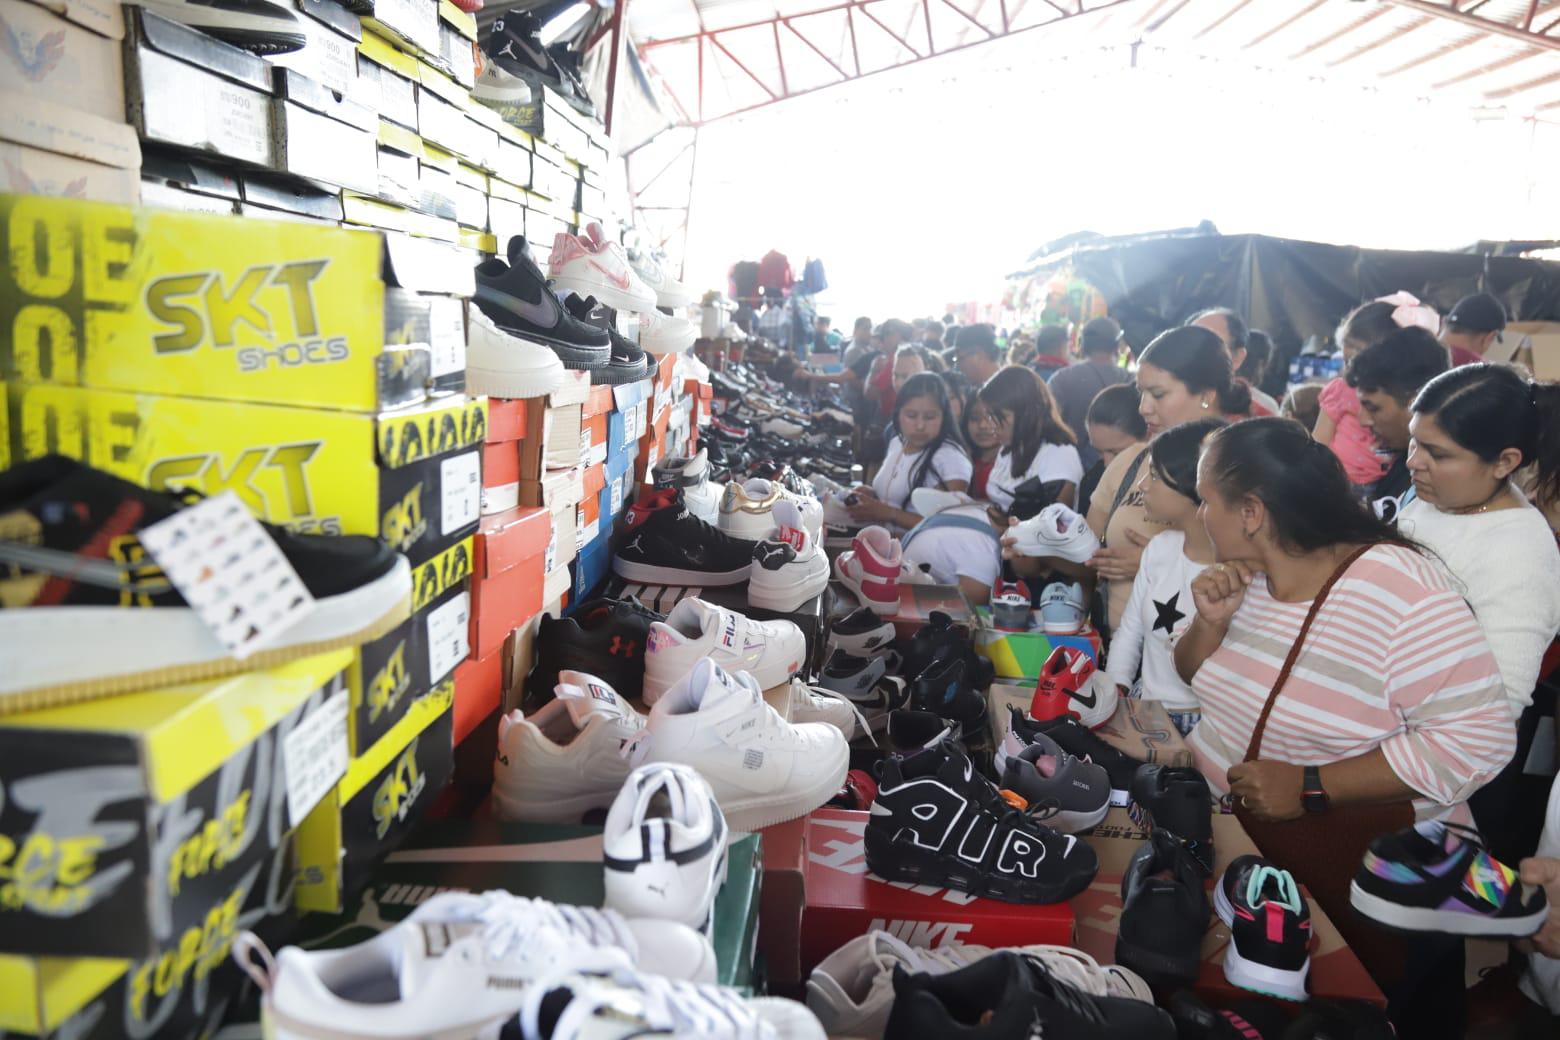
(1009, 539)
(1120, 562)
(1545, 871)
(1269, 790)
(863, 491)
(869, 509)
(1220, 590)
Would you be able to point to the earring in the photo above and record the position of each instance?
(1205, 406)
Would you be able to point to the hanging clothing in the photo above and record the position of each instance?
(774, 272)
(744, 282)
(814, 281)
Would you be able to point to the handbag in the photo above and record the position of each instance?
(1323, 850)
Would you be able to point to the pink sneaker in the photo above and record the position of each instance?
(593, 266)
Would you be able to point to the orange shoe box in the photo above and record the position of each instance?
(506, 419)
(507, 575)
(479, 691)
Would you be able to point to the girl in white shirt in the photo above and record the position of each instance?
(1035, 441)
(923, 451)
(1141, 661)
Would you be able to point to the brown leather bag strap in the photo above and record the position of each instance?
(1294, 651)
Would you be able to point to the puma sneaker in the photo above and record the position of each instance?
(789, 566)
(664, 847)
(770, 651)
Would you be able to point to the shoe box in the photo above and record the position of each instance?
(845, 900)
(378, 801)
(136, 815)
(1020, 655)
(331, 55)
(1138, 728)
(62, 102)
(506, 430)
(780, 908)
(556, 489)
(1335, 972)
(553, 428)
(507, 594)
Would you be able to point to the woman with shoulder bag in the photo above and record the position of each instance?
(1346, 689)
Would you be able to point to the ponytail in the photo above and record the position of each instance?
(1488, 408)
(1546, 445)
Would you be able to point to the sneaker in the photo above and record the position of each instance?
(663, 543)
(665, 334)
(664, 847)
(747, 509)
(1063, 609)
(1176, 799)
(911, 730)
(1066, 686)
(1164, 913)
(823, 487)
(867, 685)
(872, 568)
(73, 574)
(258, 26)
(581, 265)
(1044, 774)
(1076, 739)
(789, 566)
(770, 651)
(780, 426)
(1055, 531)
(565, 759)
(1439, 878)
(762, 769)
(940, 638)
(944, 688)
(603, 637)
(501, 364)
(459, 965)
(925, 501)
(860, 632)
(1270, 929)
(933, 809)
(782, 474)
(856, 793)
(669, 292)
(515, 297)
(501, 90)
(821, 704)
(836, 514)
(511, 43)
(578, 95)
(1010, 996)
(627, 363)
(692, 475)
(1010, 606)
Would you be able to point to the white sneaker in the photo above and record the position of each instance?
(836, 514)
(823, 487)
(669, 292)
(1054, 531)
(925, 501)
(460, 966)
(664, 847)
(499, 364)
(664, 334)
(1063, 608)
(771, 651)
(821, 704)
(874, 567)
(747, 508)
(589, 265)
(780, 426)
(763, 769)
(566, 758)
(789, 566)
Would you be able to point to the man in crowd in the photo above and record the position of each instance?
(1386, 377)
(932, 336)
(1050, 353)
(860, 341)
(1474, 331)
(1076, 386)
(1232, 330)
(976, 353)
(825, 339)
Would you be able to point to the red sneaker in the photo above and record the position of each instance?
(1066, 688)
(1010, 605)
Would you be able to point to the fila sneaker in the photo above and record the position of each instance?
(1067, 686)
(860, 632)
(762, 769)
(664, 847)
(1063, 608)
(1077, 793)
(1270, 928)
(669, 292)
(663, 543)
(562, 761)
(1055, 531)
(514, 296)
(460, 965)
(501, 364)
(789, 566)
(937, 821)
(747, 509)
(603, 637)
(865, 682)
(664, 334)
(770, 651)
(593, 266)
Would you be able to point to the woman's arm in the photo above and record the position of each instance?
(1273, 790)
(1325, 430)
(1217, 593)
(1126, 643)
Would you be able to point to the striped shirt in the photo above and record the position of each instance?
(1394, 660)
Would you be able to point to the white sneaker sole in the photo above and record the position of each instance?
(785, 598)
(607, 293)
(1417, 919)
(1052, 628)
(1071, 821)
(667, 343)
(1249, 975)
(756, 813)
(510, 367)
(768, 677)
(138, 648)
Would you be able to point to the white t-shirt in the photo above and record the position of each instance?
(1051, 462)
(956, 552)
(892, 483)
(1159, 610)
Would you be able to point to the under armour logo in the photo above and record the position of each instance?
(618, 648)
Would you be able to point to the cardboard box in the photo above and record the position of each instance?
(845, 900)
(479, 692)
(387, 81)
(330, 56)
(411, 22)
(563, 544)
(590, 568)
(556, 489)
(277, 192)
(503, 602)
(1021, 655)
(324, 136)
(144, 809)
(36, 171)
(784, 897)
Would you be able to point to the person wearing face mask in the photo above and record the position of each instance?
(923, 451)
(1386, 377)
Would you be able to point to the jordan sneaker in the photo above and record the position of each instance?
(940, 638)
(789, 566)
(1056, 531)
(501, 364)
(944, 689)
(1075, 793)
(691, 474)
(861, 632)
(663, 543)
(1270, 928)
(595, 267)
(515, 297)
(747, 509)
(1066, 686)
(664, 847)
(770, 651)
(1063, 609)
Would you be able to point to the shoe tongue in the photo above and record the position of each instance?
(788, 523)
(517, 251)
(595, 235)
(711, 684)
(587, 697)
(641, 510)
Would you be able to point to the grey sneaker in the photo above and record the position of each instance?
(1043, 773)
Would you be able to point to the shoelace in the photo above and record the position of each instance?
(797, 685)
(1288, 893)
(509, 921)
(1082, 1004)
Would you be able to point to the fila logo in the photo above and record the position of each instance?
(729, 637)
(619, 648)
(924, 934)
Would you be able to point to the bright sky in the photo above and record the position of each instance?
(926, 185)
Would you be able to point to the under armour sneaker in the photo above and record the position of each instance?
(663, 543)
(565, 759)
(762, 769)
(867, 684)
(1055, 531)
(1076, 739)
(1063, 608)
(1011, 996)
(501, 364)
(1066, 686)
(669, 292)
(944, 689)
(1436, 877)
(874, 568)
(590, 267)
(627, 364)
(515, 297)
(940, 638)
(259, 26)
(1270, 928)
(664, 847)
(1010, 606)
(860, 632)
(770, 651)
(1075, 792)
(1176, 799)
(747, 509)
(603, 637)
(789, 566)
(936, 821)
(459, 965)
(74, 574)
(691, 474)
(1164, 913)
(665, 334)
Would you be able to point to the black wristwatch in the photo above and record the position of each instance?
(1312, 795)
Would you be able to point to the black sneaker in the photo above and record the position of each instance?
(567, 62)
(865, 682)
(512, 44)
(860, 632)
(910, 730)
(1009, 996)
(933, 810)
(74, 575)
(1076, 739)
(1270, 928)
(1164, 913)
(664, 544)
(1176, 799)
(782, 474)
(627, 364)
(604, 638)
(258, 26)
(943, 688)
(1250, 1019)
(939, 638)
(515, 297)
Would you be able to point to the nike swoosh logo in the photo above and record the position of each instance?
(538, 58)
(1089, 701)
(543, 313)
(619, 280)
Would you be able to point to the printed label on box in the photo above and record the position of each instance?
(316, 756)
(461, 480)
(447, 336)
(651, 458)
(550, 557)
(617, 497)
(447, 635)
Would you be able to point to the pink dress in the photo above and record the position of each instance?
(1352, 443)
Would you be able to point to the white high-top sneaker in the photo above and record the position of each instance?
(762, 769)
(772, 651)
(789, 566)
(664, 847)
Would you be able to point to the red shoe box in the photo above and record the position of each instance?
(598, 402)
(508, 568)
(501, 464)
(845, 900)
(479, 691)
(782, 899)
(506, 419)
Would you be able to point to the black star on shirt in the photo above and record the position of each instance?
(1168, 615)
